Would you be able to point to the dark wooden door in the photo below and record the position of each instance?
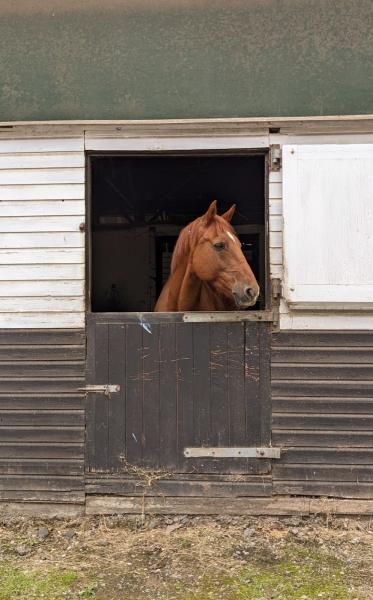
(183, 384)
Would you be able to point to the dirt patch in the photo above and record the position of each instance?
(186, 558)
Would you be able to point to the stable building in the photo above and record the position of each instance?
(109, 407)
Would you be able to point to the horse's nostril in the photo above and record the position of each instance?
(250, 293)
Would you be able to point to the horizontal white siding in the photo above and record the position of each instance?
(42, 192)
(41, 161)
(39, 224)
(35, 256)
(66, 239)
(42, 250)
(46, 208)
(42, 303)
(43, 176)
(49, 288)
(40, 272)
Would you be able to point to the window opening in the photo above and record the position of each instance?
(139, 205)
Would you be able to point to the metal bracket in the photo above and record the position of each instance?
(276, 290)
(106, 389)
(275, 157)
(202, 452)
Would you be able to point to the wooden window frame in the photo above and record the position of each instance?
(100, 146)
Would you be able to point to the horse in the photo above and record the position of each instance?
(209, 271)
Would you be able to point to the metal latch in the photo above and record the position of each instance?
(267, 452)
(106, 389)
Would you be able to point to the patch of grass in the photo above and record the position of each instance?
(16, 584)
(298, 574)
(89, 591)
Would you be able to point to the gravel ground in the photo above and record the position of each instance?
(186, 558)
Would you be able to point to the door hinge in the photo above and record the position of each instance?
(201, 452)
(276, 290)
(106, 389)
(275, 157)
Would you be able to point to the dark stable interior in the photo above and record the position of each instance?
(139, 205)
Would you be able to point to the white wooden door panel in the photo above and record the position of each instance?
(328, 226)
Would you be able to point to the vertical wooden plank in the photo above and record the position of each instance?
(256, 353)
(265, 382)
(117, 402)
(236, 384)
(134, 394)
(219, 413)
(168, 396)
(101, 423)
(201, 383)
(90, 413)
(236, 399)
(151, 397)
(252, 388)
(185, 410)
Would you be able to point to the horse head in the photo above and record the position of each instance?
(208, 269)
(216, 258)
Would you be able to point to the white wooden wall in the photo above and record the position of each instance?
(41, 247)
(42, 250)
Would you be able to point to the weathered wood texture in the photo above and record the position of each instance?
(182, 384)
(286, 505)
(331, 185)
(41, 416)
(194, 485)
(41, 248)
(322, 398)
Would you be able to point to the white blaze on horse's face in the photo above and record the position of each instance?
(245, 291)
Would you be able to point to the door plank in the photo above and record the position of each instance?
(101, 429)
(116, 403)
(134, 394)
(219, 385)
(201, 383)
(236, 384)
(151, 386)
(253, 421)
(168, 393)
(185, 407)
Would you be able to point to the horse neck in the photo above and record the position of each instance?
(189, 289)
(194, 294)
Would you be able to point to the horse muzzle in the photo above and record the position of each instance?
(245, 295)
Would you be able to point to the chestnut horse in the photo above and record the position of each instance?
(208, 269)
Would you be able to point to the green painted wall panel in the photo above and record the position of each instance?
(143, 59)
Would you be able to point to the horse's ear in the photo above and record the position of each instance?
(227, 216)
(210, 213)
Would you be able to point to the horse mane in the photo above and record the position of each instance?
(189, 236)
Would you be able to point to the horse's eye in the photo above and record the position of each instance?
(219, 245)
